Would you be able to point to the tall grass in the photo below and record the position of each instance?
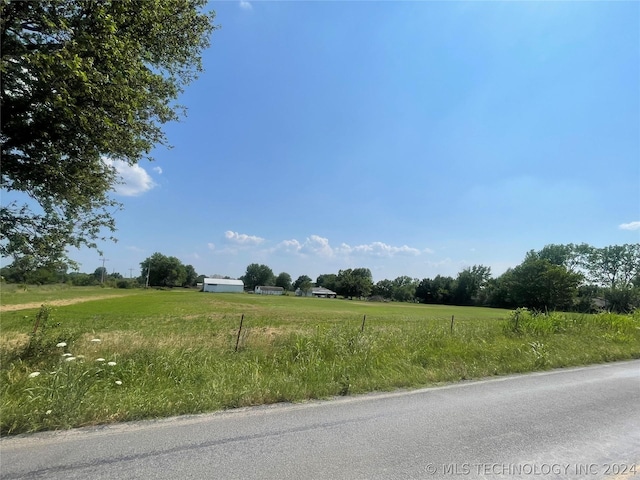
(168, 353)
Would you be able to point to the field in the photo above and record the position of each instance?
(101, 355)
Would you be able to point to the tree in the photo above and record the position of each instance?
(357, 282)
(283, 280)
(327, 280)
(538, 284)
(302, 280)
(163, 271)
(191, 276)
(615, 266)
(257, 275)
(622, 300)
(442, 289)
(26, 270)
(81, 279)
(424, 291)
(383, 288)
(100, 274)
(469, 284)
(85, 83)
(404, 289)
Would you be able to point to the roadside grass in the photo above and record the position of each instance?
(163, 353)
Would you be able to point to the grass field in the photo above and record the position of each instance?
(152, 353)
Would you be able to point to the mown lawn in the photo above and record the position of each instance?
(160, 353)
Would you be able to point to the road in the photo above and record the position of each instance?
(571, 423)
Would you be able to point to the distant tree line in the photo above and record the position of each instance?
(158, 270)
(558, 277)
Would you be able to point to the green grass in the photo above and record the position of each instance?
(174, 352)
(13, 294)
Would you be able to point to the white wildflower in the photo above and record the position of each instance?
(48, 412)
(96, 340)
(100, 359)
(61, 344)
(34, 374)
(69, 359)
(67, 354)
(111, 364)
(118, 382)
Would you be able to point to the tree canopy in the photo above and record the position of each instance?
(164, 271)
(258, 274)
(283, 280)
(357, 282)
(303, 282)
(85, 83)
(327, 280)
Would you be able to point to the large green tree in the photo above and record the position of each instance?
(258, 274)
(357, 282)
(615, 266)
(85, 82)
(283, 280)
(539, 284)
(302, 281)
(327, 280)
(383, 288)
(191, 276)
(404, 288)
(469, 283)
(163, 271)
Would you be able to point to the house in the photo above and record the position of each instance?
(317, 292)
(220, 285)
(262, 290)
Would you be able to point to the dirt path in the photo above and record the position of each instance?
(54, 303)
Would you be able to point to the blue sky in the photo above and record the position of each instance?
(411, 138)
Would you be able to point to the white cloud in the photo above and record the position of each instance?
(134, 180)
(242, 238)
(135, 249)
(630, 226)
(211, 246)
(158, 170)
(379, 249)
(316, 245)
(290, 246)
(320, 246)
(245, 5)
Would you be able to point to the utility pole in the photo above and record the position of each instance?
(103, 270)
(148, 270)
(131, 273)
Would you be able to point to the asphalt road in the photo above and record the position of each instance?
(581, 423)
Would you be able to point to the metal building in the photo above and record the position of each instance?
(222, 285)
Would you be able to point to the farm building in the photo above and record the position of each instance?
(261, 290)
(318, 292)
(220, 285)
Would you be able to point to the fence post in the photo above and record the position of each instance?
(451, 323)
(239, 330)
(363, 320)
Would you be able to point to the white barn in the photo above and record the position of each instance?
(222, 285)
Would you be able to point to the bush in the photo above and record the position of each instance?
(123, 283)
